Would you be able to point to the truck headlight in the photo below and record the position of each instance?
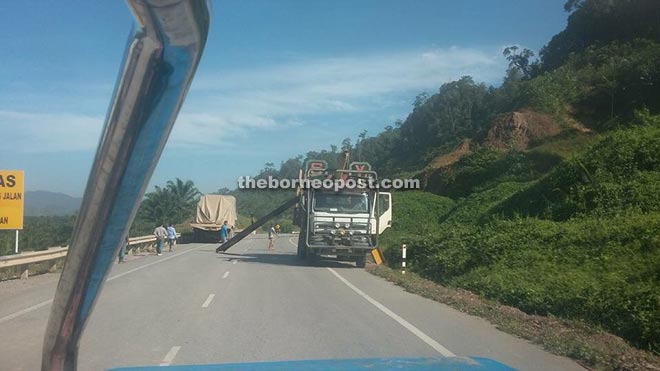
(337, 225)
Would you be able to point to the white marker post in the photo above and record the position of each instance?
(16, 246)
(403, 258)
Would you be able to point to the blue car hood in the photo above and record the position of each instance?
(372, 364)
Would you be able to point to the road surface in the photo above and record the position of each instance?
(194, 306)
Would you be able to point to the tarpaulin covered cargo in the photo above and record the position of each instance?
(213, 210)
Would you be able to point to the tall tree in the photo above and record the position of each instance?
(520, 66)
(185, 192)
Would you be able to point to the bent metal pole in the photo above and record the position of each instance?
(158, 67)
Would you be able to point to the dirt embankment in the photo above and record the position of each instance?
(518, 130)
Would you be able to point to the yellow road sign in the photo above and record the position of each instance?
(11, 199)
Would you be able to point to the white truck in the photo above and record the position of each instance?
(344, 216)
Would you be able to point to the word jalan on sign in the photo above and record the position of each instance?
(11, 199)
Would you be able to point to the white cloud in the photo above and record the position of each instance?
(235, 103)
(41, 132)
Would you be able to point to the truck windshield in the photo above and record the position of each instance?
(341, 202)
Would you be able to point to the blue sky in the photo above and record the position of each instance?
(277, 79)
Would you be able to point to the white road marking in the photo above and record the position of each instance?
(414, 330)
(208, 301)
(26, 310)
(234, 262)
(48, 302)
(169, 357)
(225, 275)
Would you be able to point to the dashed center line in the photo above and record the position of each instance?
(225, 275)
(169, 357)
(208, 301)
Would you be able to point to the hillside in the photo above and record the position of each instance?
(44, 203)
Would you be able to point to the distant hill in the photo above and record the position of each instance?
(44, 203)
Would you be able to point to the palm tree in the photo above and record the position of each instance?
(173, 203)
(186, 196)
(185, 192)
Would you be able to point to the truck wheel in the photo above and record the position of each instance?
(301, 245)
(310, 259)
(361, 261)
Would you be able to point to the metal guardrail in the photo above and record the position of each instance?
(33, 257)
(59, 252)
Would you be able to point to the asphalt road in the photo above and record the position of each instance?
(194, 306)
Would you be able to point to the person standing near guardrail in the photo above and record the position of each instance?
(161, 234)
(122, 251)
(171, 236)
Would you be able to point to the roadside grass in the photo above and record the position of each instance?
(588, 345)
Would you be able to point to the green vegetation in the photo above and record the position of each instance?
(603, 271)
(39, 233)
(619, 174)
(175, 203)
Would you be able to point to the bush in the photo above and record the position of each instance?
(603, 85)
(484, 169)
(481, 206)
(619, 173)
(604, 271)
(414, 214)
(39, 233)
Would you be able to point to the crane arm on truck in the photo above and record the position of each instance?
(252, 227)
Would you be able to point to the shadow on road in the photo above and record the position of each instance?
(283, 258)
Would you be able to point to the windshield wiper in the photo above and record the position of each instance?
(158, 67)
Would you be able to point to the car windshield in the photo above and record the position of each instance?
(341, 202)
(382, 184)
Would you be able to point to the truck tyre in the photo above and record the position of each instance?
(361, 261)
(310, 259)
(302, 252)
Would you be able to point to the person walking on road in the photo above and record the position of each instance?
(224, 232)
(122, 251)
(272, 233)
(171, 236)
(161, 234)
